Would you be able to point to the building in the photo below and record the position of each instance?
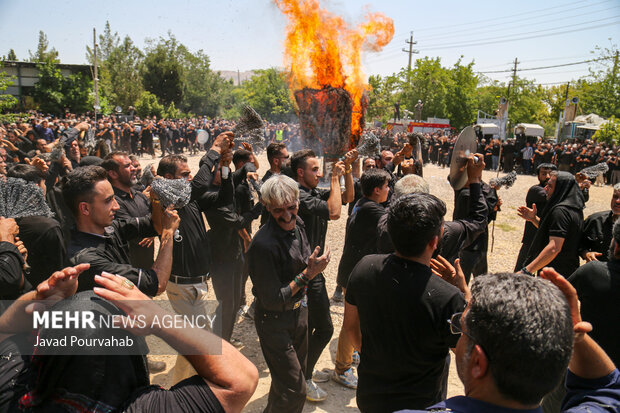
(25, 75)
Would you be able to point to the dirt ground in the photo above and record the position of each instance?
(507, 242)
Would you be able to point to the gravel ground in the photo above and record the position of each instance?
(508, 232)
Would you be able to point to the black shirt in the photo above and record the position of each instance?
(275, 258)
(191, 395)
(11, 263)
(403, 310)
(360, 237)
(563, 223)
(42, 237)
(109, 253)
(535, 195)
(456, 234)
(597, 234)
(598, 288)
(135, 205)
(314, 212)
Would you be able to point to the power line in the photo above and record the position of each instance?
(439, 47)
(499, 18)
(505, 28)
(548, 67)
(535, 31)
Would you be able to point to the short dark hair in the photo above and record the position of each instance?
(28, 173)
(549, 166)
(110, 164)
(373, 178)
(524, 326)
(241, 155)
(169, 164)
(274, 149)
(299, 158)
(79, 185)
(413, 220)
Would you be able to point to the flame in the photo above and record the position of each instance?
(322, 50)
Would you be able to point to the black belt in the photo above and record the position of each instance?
(289, 307)
(189, 280)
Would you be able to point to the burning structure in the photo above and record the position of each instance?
(323, 56)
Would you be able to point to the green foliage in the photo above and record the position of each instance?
(13, 117)
(11, 55)
(163, 73)
(381, 97)
(6, 101)
(609, 133)
(172, 112)
(599, 91)
(268, 93)
(147, 105)
(203, 89)
(48, 90)
(76, 91)
(42, 54)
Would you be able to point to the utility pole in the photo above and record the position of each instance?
(238, 78)
(513, 84)
(411, 50)
(614, 71)
(96, 80)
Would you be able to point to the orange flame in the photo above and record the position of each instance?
(322, 50)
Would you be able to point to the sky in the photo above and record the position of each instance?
(249, 34)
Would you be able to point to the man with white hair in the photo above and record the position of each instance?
(281, 265)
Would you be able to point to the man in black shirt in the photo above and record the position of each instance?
(360, 240)
(41, 235)
(281, 266)
(597, 287)
(536, 195)
(316, 207)
(102, 242)
(597, 231)
(398, 308)
(132, 204)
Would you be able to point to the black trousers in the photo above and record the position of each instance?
(227, 279)
(522, 256)
(283, 339)
(320, 327)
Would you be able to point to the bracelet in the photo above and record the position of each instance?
(298, 281)
(525, 271)
(348, 171)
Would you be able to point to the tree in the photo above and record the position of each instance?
(6, 101)
(48, 90)
(268, 93)
(121, 74)
(428, 81)
(599, 91)
(76, 91)
(147, 105)
(42, 54)
(609, 132)
(382, 96)
(11, 56)
(203, 89)
(163, 73)
(461, 95)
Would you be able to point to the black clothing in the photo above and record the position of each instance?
(597, 234)
(456, 234)
(191, 257)
(403, 310)
(535, 195)
(563, 218)
(42, 237)
(360, 237)
(284, 341)
(357, 189)
(11, 263)
(598, 288)
(192, 395)
(108, 253)
(314, 212)
(135, 205)
(275, 258)
(474, 256)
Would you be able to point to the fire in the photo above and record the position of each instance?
(321, 50)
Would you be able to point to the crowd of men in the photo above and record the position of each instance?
(519, 339)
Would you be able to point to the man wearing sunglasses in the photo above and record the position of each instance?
(517, 335)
